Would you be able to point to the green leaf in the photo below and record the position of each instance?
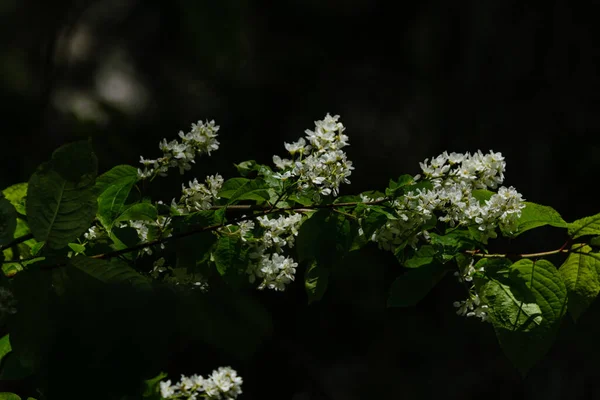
(580, 274)
(245, 189)
(151, 386)
(231, 259)
(110, 272)
(372, 221)
(510, 309)
(77, 248)
(410, 288)
(247, 168)
(482, 195)
(137, 212)
(9, 396)
(453, 242)
(396, 188)
(315, 281)
(113, 175)
(230, 186)
(111, 203)
(535, 215)
(61, 202)
(8, 221)
(423, 256)
(325, 237)
(527, 335)
(585, 226)
(4, 346)
(17, 195)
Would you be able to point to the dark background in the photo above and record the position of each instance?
(409, 80)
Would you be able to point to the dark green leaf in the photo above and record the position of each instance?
(17, 195)
(61, 202)
(111, 203)
(152, 386)
(231, 259)
(247, 168)
(110, 272)
(534, 215)
(76, 163)
(580, 274)
(4, 346)
(325, 237)
(77, 248)
(410, 288)
(315, 281)
(423, 256)
(8, 221)
(137, 212)
(585, 226)
(482, 195)
(9, 396)
(255, 189)
(230, 186)
(396, 188)
(525, 334)
(113, 175)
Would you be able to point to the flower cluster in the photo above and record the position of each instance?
(198, 196)
(200, 140)
(321, 164)
(472, 307)
(147, 230)
(454, 178)
(222, 384)
(275, 269)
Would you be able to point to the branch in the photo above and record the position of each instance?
(16, 241)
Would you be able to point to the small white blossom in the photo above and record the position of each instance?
(222, 384)
(198, 196)
(323, 166)
(200, 140)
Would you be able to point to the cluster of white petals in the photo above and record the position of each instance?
(143, 228)
(268, 263)
(321, 163)
(454, 178)
(93, 233)
(472, 307)
(201, 139)
(222, 384)
(198, 196)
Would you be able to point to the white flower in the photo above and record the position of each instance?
(296, 147)
(92, 233)
(200, 140)
(198, 196)
(324, 166)
(166, 390)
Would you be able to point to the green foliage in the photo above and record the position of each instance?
(231, 259)
(8, 221)
(411, 287)
(315, 281)
(237, 189)
(165, 273)
(527, 301)
(580, 273)
(585, 226)
(17, 195)
(535, 215)
(61, 203)
(4, 346)
(110, 272)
